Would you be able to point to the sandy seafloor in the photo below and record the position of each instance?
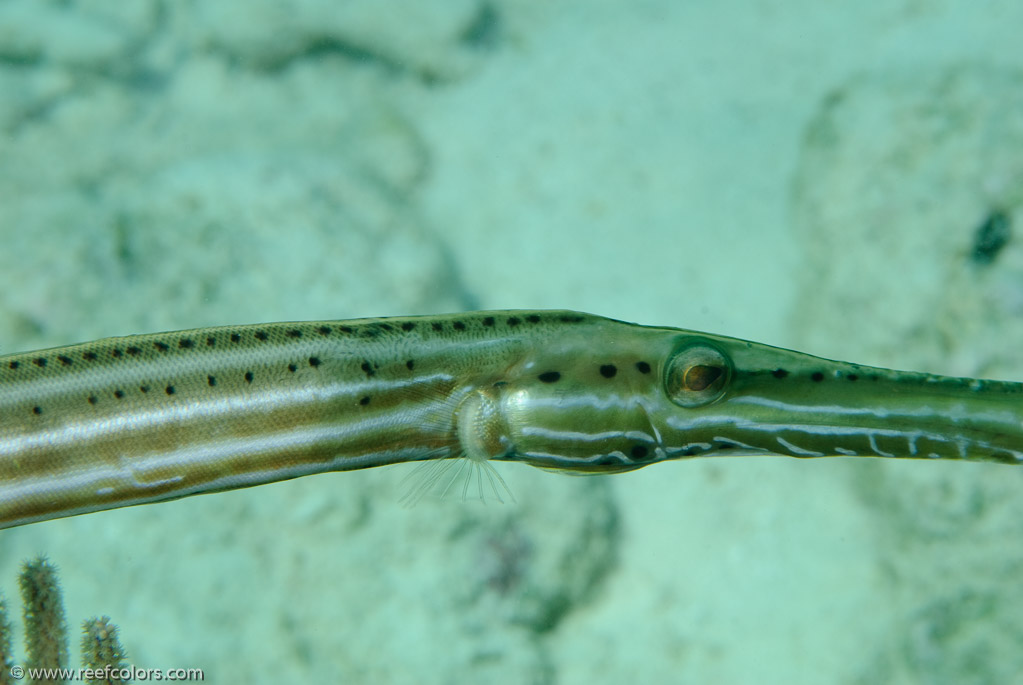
(806, 174)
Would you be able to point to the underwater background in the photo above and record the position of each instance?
(818, 176)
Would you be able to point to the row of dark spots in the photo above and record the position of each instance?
(369, 331)
(491, 321)
(235, 337)
(135, 350)
(606, 370)
(121, 394)
(249, 376)
(513, 321)
(816, 376)
(65, 360)
(211, 381)
(370, 369)
(183, 343)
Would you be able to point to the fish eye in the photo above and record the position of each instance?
(697, 375)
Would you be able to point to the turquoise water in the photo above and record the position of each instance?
(807, 176)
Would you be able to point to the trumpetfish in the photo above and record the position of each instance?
(145, 418)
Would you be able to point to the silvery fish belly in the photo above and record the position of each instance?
(141, 419)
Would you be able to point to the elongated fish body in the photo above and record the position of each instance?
(140, 419)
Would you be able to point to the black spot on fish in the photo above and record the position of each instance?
(407, 326)
(210, 341)
(236, 337)
(437, 326)
(261, 335)
(643, 367)
(162, 346)
(549, 377)
(817, 376)
(40, 362)
(607, 460)
(292, 368)
(248, 376)
(119, 394)
(368, 369)
(91, 399)
(570, 318)
(37, 410)
(345, 329)
(410, 364)
(116, 353)
(144, 388)
(294, 333)
(853, 377)
(608, 370)
(779, 373)
(323, 330)
(64, 359)
(89, 356)
(186, 343)
(459, 325)
(533, 318)
(169, 390)
(488, 321)
(640, 452)
(314, 362)
(514, 321)
(13, 365)
(133, 351)
(365, 400)
(1004, 458)
(211, 381)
